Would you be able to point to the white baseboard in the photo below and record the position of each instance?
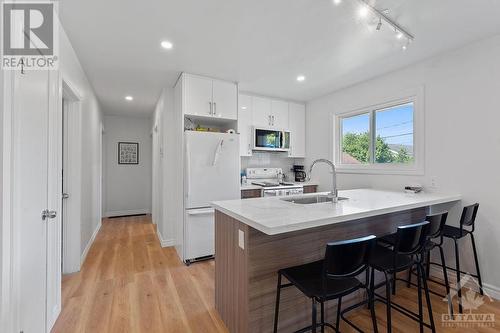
(55, 314)
(489, 289)
(164, 242)
(127, 212)
(89, 244)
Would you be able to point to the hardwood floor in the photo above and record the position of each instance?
(128, 283)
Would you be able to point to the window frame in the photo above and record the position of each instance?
(415, 168)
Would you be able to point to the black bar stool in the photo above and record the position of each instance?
(467, 226)
(437, 223)
(407, 252)
(331, 278)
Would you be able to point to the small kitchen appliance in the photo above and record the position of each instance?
(300, 174)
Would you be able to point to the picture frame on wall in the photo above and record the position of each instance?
(128, 153)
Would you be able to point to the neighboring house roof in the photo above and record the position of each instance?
(348, 159)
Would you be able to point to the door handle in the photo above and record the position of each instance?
(48, 214)
(65, 195)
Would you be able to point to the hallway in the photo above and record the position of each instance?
(128, 283)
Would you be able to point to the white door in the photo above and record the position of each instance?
(212, 168)
(225, 99)
(297, 122)
(279, 114)
(245, 124)
(261, 110)
(198, 96)
(30, 196)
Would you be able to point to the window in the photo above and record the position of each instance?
(380, 138)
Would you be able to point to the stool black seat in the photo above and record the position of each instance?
(407, 252)
(310, 280)
(331, 278)
(466, 228)
(454, 232)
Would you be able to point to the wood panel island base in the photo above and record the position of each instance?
(247, 259)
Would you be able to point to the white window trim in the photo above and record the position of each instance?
(417, 168)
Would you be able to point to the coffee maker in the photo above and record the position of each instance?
(300, 174)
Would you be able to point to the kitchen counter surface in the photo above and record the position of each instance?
(274, 216)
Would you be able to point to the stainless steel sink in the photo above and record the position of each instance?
(311, 199)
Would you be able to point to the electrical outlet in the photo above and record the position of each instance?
(433, 182)
(241, 239)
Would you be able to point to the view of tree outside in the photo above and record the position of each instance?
(394, 136)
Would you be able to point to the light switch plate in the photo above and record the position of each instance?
(241, 239)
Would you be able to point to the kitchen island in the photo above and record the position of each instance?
(254, 238)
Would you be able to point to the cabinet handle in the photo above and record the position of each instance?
(269, 120)
(273, 120)
(210, 103)
(215, 108)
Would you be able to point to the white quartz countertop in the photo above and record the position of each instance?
(274, 216)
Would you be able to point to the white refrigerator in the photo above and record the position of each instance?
(212, 173)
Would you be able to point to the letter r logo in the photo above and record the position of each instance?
(28, 29)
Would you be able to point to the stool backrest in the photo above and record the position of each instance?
(436, 224)
(347, 258)
(468, 217)
(410, 239)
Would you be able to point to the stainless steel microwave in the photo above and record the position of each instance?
(271, 139)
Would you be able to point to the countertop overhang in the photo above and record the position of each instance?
(273, 216)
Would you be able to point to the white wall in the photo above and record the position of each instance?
(170, 201)
(461, 136)
(128, 187)
(91, 122)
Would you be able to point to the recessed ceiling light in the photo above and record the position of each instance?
(243, 107)
(337, 2)
(404, 47)
(301, 78)
(399, 35)
(363, 11)
(129, 98)
(166, 44)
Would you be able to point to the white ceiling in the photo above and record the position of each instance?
(262, 44)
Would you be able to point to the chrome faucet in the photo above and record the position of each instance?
(334, 192)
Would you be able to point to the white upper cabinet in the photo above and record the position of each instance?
(261, 111)
(270, 113)
(206, 97)
(225, 99)
(245, 125)
(197, 96)
(254, 111)
(279, 114)
(297, 126)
